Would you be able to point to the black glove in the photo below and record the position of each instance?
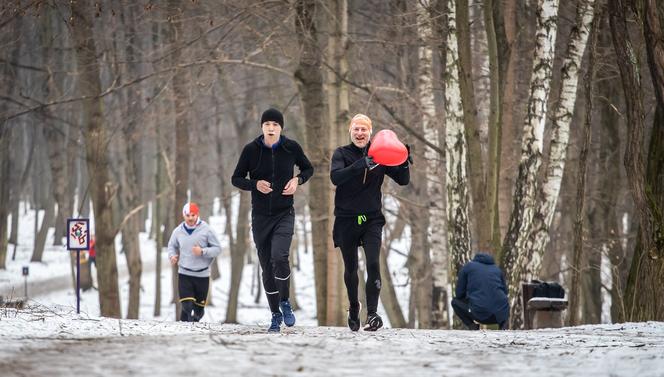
(410, 158)
(369, 162)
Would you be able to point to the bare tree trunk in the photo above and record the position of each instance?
(46, 224)
(9, 82)
(182, 147)
(338, 118)
(13, 235)
(22, 182)
(83, 189)
(160, 209)
(643, 292)
(130, 191)
(156, 224)
(102, 188)
(238, 248)
(259, 283)
(240, 243)
(550, 191)
(16, 160)
(609, 190)
(388, 295)
(292, 292)
(493, 30)
(310, 85)
(458, 234)
(512, 38)
(54, 133)
(654, 35)
(651, 234)
(419, 266)
(514, 257)
(475, 165)
(575, 291)
(75, 170)
(131, 246)
(435, 230)
(5, 171)
(339, 92)
(8, 79)
(434, 132)
(5, 176)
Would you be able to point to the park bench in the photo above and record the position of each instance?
(541, 312)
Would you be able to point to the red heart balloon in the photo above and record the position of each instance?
(386, 149)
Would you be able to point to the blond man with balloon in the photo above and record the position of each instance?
(358, 170)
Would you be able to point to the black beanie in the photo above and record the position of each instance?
(274, 115)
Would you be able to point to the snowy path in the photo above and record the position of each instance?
(61, 344)
(56, 283)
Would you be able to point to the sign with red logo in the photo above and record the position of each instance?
(78, 234)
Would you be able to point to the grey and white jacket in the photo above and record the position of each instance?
(181, 243)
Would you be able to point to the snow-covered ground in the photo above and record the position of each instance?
(56, 342)
(49, 338)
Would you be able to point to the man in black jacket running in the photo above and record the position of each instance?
(358, 217)
(269, 161)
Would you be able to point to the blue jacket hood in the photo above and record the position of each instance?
(484, 258)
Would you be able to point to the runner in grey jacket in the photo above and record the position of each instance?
(193, 246)
(182, 243)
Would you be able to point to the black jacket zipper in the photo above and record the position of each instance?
(271, 183)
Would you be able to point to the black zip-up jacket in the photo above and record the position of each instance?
(358, 188)
(274, 165)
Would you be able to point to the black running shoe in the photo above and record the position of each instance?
(354, 317)
(374, 322)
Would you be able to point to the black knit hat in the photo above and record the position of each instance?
(274, 115)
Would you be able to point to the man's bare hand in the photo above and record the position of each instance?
(174, 259)
(264, 186)
(197, 251)
(291, 187)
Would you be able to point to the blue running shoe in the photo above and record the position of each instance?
(289, 317)
(275, 326)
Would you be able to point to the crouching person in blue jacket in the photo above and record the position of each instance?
(192, 247)
(481, 294)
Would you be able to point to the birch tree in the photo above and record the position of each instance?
(550, 190)
(435, 205)
(458, 233)
(476, 171)
(513, 256)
